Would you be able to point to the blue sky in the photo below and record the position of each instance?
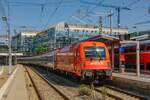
(39, 14)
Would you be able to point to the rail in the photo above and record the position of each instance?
(121, 91)
(110, 95)
(50, 84)
(126, 92)
(34, 86)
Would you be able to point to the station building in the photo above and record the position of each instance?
(59, 35)
(23, 42)
(4, 55)
(3, 49)
(62, 34)
(142, 35)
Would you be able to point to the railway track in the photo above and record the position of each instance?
(68, 87)
(33, 84)
(119, 94)
(44, 89)
(112, 92)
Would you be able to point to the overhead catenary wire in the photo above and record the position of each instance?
(21, 3)
(100, 2)
(133, 3)
(3, 11)
(118, 8)
(42, 5)
(42, 10)
(53, 13)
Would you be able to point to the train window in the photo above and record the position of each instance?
(95, 52)
(116, 51)
(148, 48)
(133, 49)
(126, 50)
(142, 48)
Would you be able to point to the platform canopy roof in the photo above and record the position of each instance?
(108, 39)
(13, 54)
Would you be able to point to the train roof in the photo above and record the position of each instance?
(104, 37)
(48, 54)
(141, 43)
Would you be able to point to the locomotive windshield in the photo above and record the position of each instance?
(95, 52)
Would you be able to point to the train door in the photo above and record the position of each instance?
(147, 63)
(142, 59)
(116, 59)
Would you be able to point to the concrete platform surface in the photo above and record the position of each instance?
(133, 76)
(16, 88)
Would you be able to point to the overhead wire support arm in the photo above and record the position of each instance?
(103, 5)
(118, 8)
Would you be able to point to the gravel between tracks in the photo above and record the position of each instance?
(65, 86)
(71, 89)
(46, 92)
(118, 94)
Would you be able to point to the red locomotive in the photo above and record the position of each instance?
(84, 60)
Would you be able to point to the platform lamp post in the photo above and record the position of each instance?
(100, 24)
(5, 19)
(67, 26)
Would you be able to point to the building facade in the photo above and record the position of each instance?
(58, 36)
(23, 42)
(62, 34)
(142, 35)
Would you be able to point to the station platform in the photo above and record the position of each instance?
(15, 87)
(132, 76)
(130, 81)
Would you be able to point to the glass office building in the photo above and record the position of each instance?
(63, 34)
(58, 36)
(23, 42)
(142, 35)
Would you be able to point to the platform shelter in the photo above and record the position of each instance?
(114, 46)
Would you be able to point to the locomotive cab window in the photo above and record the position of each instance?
(95, 52)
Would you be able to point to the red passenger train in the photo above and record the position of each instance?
(85, 60)
(130, 55)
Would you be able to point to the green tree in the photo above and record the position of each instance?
(39, 49)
